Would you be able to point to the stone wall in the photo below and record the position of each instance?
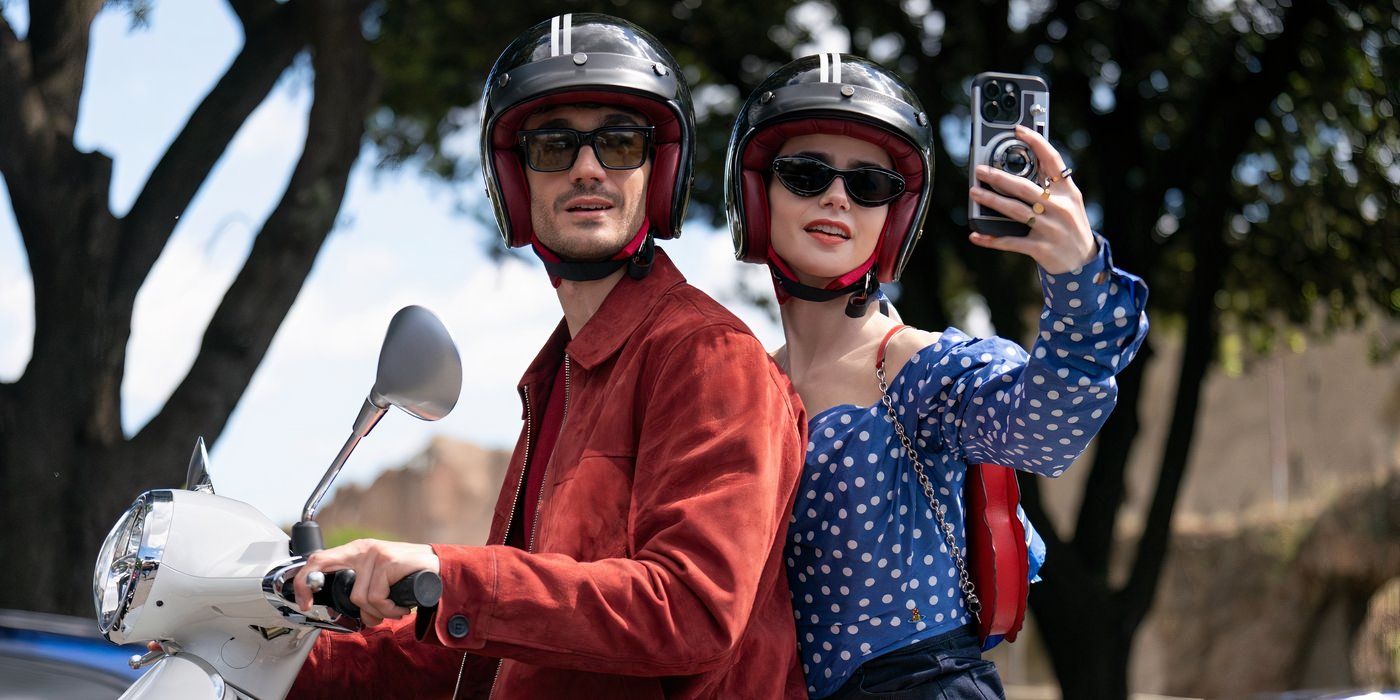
(444, 495)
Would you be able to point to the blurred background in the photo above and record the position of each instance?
(211, 209)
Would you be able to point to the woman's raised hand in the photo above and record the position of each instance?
(1060, 239)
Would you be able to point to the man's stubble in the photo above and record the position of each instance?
(547, 229)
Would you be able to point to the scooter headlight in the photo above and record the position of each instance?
(127, 563)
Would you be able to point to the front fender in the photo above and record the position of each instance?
(181, 677)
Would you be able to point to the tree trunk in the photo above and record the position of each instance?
(63, 418)
(66, 496)
(66, 469)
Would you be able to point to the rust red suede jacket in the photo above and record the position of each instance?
(656, 569)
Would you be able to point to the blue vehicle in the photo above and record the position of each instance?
(56, 656)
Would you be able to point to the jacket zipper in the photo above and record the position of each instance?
(539, 500)
(505, 537)
(529, 433)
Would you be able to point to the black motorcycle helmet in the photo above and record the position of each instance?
(840, 94)
(582, 58)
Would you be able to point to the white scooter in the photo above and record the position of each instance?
(209, 578)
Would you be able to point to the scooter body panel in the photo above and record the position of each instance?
(217, 552)
(179, 676)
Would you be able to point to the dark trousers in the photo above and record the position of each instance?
(947, 667)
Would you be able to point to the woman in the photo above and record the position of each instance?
(827, 180)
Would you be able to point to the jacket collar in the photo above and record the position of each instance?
(622, 312)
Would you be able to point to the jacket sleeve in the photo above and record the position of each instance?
(717, 463)
(387, 661)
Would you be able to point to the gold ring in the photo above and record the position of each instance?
(1038, 208)
(1045, 191)
(1031, 221)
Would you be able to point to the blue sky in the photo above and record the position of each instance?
(399, 241)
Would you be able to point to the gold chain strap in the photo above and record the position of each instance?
(974, 605)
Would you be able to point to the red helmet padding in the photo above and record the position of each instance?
(763, 147)
(510, 171)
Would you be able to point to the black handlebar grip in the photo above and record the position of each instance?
(336, 593)
(421, 589)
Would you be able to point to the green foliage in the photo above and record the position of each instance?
(1241, 155)
(1143, 93)
(1317, 236)
(345, 535)
(434, 56)
(140, 11)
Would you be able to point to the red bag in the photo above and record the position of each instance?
(996, 549)
(997, 562)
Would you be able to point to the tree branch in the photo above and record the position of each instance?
(1104, 488)
(1234, 115)
(58, 44)
(238, 336)
(253, 11)
(1129, 212)
(270, 46)
(30, 148)
(1035, 511)
(20, 109)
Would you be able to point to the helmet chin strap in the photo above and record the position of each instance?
(637, 255)
(861, 291)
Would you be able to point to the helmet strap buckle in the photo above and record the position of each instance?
(639, 265)
(860, 299)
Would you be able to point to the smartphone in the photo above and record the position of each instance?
(1000, 101)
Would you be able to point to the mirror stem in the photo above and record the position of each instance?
(365, 422)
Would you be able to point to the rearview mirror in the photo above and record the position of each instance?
(419, 369)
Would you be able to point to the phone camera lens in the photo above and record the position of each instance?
(991, 111)
(1016, 162)
(1015, 158)
(1008, 103)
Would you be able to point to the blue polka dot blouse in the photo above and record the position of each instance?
(868, 570)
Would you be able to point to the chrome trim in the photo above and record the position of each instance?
(278, 581)
(138, 660)
(369, 416)
(154, 513)
(220, 685)
(158, 520)
(197, 473)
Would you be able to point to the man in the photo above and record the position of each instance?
(636, 545)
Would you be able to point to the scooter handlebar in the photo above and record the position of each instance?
(421, 589)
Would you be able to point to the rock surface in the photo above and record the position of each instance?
(443, 495)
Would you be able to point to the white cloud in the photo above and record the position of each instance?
(16, 323)
(172, 311)
(399, 242)
(278, 126)
(16, 295)
(206, 252)
(818, 19)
